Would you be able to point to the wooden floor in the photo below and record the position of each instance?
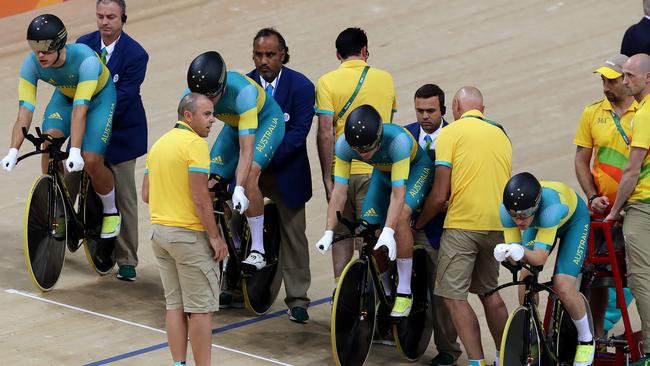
(533, 60)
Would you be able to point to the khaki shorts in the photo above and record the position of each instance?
(189, 275)
(466, 263)
(357, 189)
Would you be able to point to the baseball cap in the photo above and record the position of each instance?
(613, 67)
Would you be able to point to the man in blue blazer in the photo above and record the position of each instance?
(287, 180)
(429, 110)
(637, 37)
(127, 62)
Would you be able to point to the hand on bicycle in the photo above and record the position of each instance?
(239, 200)
(324, 244)
(500, 252)
(9, 161)
(74, 162)
(219, 247)
(515, 251)
(387, 239)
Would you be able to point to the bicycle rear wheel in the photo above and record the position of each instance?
(45, 233)
(353, 315)
(564, 338)
(99, 252)
(262, 287)
(521, 341)
(413, 333)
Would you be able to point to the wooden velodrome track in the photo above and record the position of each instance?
(533, 60)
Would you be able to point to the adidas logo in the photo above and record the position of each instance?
(55, 115)
(370, 212)
(217, 160)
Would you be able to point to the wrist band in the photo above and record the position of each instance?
(591, 198)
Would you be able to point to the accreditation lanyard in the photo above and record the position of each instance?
(620, 129)
(183, 127)
(354, 94)
(495, 124)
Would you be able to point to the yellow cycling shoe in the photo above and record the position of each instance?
(402, 307)
(584, 354)
(111, 225)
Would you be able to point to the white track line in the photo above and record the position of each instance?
(31, 296)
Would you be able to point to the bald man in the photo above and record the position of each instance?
(471, 147)
(634, 195)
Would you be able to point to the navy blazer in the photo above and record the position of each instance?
(637, 38)
(433, 228)
(128, 65)
(296, 96)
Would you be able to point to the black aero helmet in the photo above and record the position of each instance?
(46, 33)
(207, 74)
(363, 128)
(522, 195)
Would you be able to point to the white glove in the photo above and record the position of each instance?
(9, 161)
(324, 244)
(500, 252)
(239, 200)
(515, 251)
(387, 239)
(74, 162)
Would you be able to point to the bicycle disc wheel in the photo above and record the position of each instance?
(564, 338)
(413, 333)
(353, 315)
(99, 252)
(262, 287)
(45, 233)
(515, 351)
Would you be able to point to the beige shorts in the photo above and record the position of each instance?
(466, 263)
(357, 189)
(189, 275)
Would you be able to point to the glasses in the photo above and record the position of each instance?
(41, 46)
(523, 214)
(365, 149)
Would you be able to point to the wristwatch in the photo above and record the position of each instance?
(591, 198)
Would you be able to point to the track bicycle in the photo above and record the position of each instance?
(259, 288)
(51, 221)
(525, 340)
(360, 306)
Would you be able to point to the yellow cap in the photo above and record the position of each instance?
(613, 67)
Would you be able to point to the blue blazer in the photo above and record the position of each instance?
(636, 38)
(296, 96)
(433, 228)
(128, 65)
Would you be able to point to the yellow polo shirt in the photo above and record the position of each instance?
(597, 131)
(480, 157)
(641, 138)
(170, 160)
(334, 89)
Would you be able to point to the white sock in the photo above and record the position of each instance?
(584, 333)
(257, 232)
(496, 361)
(404, 269)
(387, 283)
(108, 201)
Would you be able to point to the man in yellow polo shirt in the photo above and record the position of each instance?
(473, 164)
(339, 92)
(604, 134)
(185, 238)
(634, 195)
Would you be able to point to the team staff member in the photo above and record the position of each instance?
(127, 62)
(338, 92)
(81, 107)
(254, 127)
(604, 134)
(185, 237)
(470, 147)
(287, 179)
(430, 108)
(634, 195)
(636, 38)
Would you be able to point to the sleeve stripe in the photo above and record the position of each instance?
(198, 170)
(80, 101)
(27, 105)
(324, 111)
(444, 163)
(398, 183)
(544, 246)
(247, 131)
(146, 171)
(341, 180)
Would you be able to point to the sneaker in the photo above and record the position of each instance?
(126, 273)
(645, 361)
(111, 225)
(254, 262)
(584, 354)
(298, 315)
(402, 307)
(232, 300)
(443, 359)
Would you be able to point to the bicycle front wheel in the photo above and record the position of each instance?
(45, 233)
(521, 340)
(353, 315)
